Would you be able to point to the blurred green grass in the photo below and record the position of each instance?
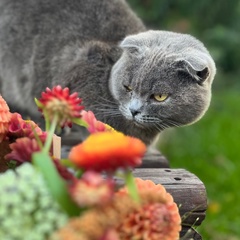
(211, 150)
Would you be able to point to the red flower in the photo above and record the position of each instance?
(58, 102)
(92, 190)
(22, 128)
(63, 171)
(23, 149)
(5, 117)
(108, 151)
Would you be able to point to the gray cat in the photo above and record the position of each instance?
(139, 82)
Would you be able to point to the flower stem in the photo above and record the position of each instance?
(47, 122)
(50, 134)
(129, 180)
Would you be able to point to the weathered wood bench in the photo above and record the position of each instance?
(187, 190)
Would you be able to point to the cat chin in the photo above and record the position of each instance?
(134, 121)
(136, 124)
(139, 125)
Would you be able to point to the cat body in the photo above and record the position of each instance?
(139, 82)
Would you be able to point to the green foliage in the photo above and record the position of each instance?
(210, 148)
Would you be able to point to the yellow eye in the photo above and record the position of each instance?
(128, 88)
(160, 97)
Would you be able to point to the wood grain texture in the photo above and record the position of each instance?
(154, 160)
(190, 233)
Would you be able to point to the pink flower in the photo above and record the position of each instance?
(92, 190)
(93, 124)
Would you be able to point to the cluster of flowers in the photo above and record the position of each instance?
(43, 197)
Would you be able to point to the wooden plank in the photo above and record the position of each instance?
(190, 233)
(57, 146)
(154, 160)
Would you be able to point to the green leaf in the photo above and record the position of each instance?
(57, 186)
(38, 103)
(80, 122)
(67, 163)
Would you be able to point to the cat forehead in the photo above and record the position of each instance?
(169, 41)
(170, 47)
(154, 80)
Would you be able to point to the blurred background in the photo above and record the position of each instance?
(210, 148)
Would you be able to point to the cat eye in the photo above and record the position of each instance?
(128, 88)
(160, 97)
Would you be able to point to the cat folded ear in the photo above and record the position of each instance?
(198, 65)
(131, 45)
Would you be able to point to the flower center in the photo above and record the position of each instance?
(152, 221)
(59, 107)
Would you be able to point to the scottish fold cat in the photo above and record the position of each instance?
(138, 81)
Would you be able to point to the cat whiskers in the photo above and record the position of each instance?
(106, 107)
(172, 123)
(166, 123)
(108, 112)
(159, 124)
(150, 122)
(107, 101)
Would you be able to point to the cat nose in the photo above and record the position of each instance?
(135, 107)
(134, 112)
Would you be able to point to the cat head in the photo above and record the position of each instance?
(162, 79)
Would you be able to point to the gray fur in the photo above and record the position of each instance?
(95, 48)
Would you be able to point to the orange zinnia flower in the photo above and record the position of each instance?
(5, 117)
(108, 151)
(158, 217)
(59, 102)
